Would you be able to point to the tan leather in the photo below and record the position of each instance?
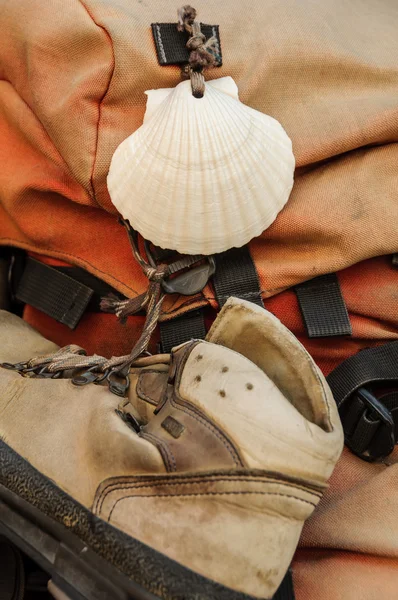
(147, 388)
(273, 348)
(233, 454)
(309, 438)
(238, 529)
(186, 437)
(71, 434)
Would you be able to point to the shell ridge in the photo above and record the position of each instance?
(202, 175)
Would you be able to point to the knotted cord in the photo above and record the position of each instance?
(74, 357)
(202, 52)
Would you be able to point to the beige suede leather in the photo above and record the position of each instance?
(303, 427)
(147, 387)
(262, 338)
(240, 530)
(238, 436)
(71, 434)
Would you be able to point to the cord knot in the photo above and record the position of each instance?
(156, 274)
(202, 52)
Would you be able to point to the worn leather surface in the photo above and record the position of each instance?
(147, 388)
(306, 414)
(237, 528)
(226, 467)
(71, 434)
(186, 437)
(248, 421)
(272, 347)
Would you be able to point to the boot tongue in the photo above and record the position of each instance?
(150, 383)
(148, 386)
(149, 379)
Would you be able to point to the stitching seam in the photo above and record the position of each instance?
(115, 486)
(207, 494)
(106, 90)
(139, 389)
(64, 164)
(202, 420)
(163, 448)
(160, 42)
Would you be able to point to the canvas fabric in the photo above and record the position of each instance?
(72, 80)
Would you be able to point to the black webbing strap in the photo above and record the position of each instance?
(63, 293)
(99, 287)
(395, 260)
(322, 307)
(54, 293)
(186, 327)
(171, 44)
(236, 275)
(285, 590)
(365, 388)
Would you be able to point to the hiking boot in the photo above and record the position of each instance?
(196, 485)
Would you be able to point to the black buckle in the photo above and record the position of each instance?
(191, 280)
(372, 434)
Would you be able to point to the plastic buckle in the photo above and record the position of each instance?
(383, 440)
(191, 280)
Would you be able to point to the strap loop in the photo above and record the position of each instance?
(53, 292)
(365, 388)
(322, 307)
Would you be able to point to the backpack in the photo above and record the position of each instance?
(73, 88)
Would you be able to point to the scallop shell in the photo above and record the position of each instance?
(202, 175)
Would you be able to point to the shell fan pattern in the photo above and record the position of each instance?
(204, 175)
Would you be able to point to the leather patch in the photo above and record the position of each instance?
(173, 427)
(171, 44)
(152, 385)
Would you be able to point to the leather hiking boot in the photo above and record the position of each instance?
(196, 485)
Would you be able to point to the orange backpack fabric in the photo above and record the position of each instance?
(72, 82)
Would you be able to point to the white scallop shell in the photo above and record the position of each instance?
(204, 175)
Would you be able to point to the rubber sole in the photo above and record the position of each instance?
(74, 568)
(87, 558)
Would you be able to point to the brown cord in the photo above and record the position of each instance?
(201, 51)
(73, 357)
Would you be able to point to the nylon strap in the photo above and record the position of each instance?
(171, 46)
(322, 307)
(100, 288)
(54, 293)
(236, 275)
(181, 329)
(395, 260)
(368, 366)
(364, 387)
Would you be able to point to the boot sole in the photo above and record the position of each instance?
(86, 557)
